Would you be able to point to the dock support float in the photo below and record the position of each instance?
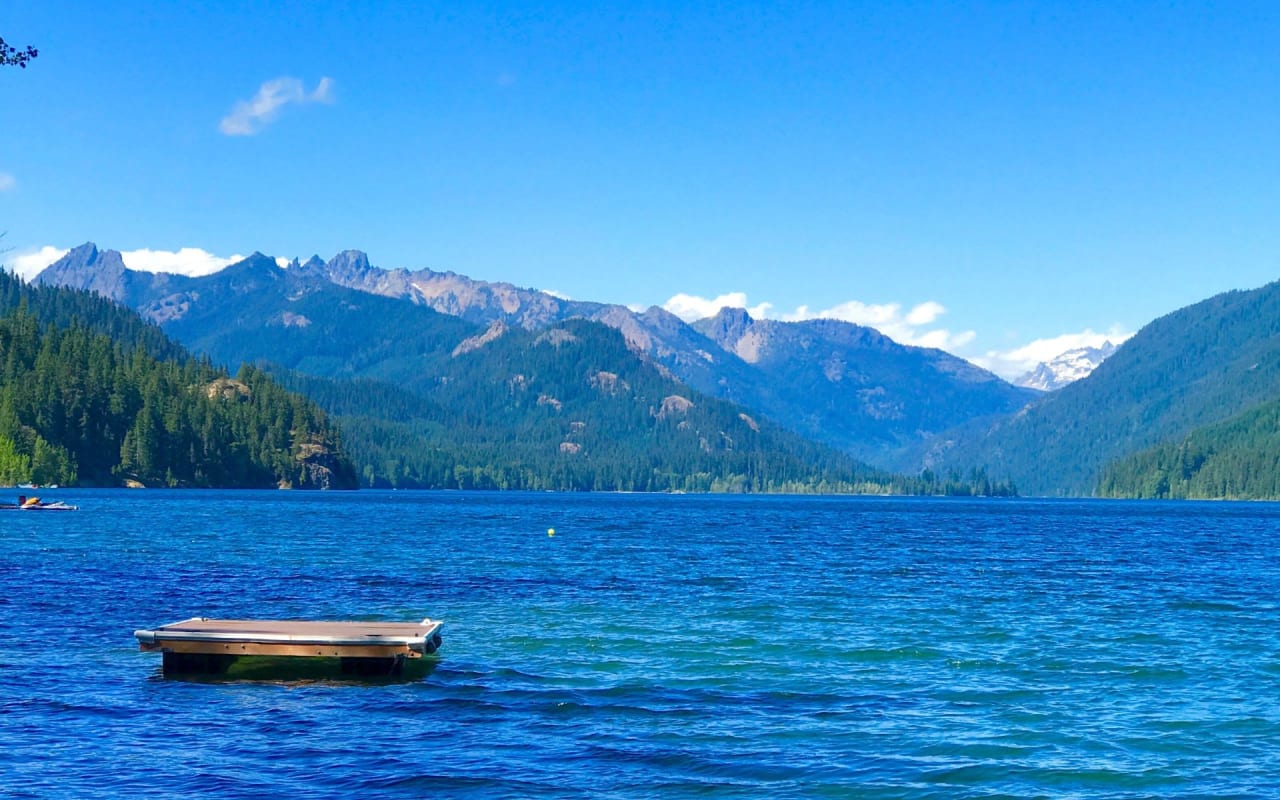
(363, 649)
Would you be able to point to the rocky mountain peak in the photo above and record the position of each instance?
(251, 274)
(88, 256)
(312, 266)
(86, 253)
(734, 330)
(256, 263)
(348, 266)
(728, 325)
(87, 267)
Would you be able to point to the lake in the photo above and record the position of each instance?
(655, 646)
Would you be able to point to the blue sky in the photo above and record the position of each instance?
(980, 176)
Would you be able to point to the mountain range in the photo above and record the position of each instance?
(439, 346)
(426, 399)
(838, 383)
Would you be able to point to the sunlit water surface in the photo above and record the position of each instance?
(655, 646)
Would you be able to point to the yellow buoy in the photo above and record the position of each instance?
(551, 531)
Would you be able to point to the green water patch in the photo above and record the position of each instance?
(1142, 639)
(977, 664)
(1245, 726)
(986, 698)
(1059, 782)
(877, 655)
(1204, 605)
(981, 751)
(1138, 673)
(1111, 670)
(1272, 668)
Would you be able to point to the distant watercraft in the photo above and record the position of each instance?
(38, 505)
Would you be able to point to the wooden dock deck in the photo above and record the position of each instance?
(202, 645)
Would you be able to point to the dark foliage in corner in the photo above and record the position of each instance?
(11, 56)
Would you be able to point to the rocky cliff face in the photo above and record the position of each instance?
(318, 468)
(480, 302)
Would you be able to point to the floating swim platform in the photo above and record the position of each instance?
(211, 646)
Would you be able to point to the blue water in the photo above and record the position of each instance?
(656, 646)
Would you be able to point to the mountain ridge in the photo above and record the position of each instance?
(852, 403)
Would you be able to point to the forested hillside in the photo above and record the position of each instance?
(1234, 460)
(91, 394)
(1194, 367)
(61, 308)
(518, 410)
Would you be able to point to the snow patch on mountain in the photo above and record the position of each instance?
(1065, 368)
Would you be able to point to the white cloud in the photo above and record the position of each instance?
(925, 313)
(690, 307)
(250, 116)
(323, 92)
(187, 261)
(871, 315)
(1014, 363)
(7, 182)
(888, 318)
(909, 328)
(29, 263)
